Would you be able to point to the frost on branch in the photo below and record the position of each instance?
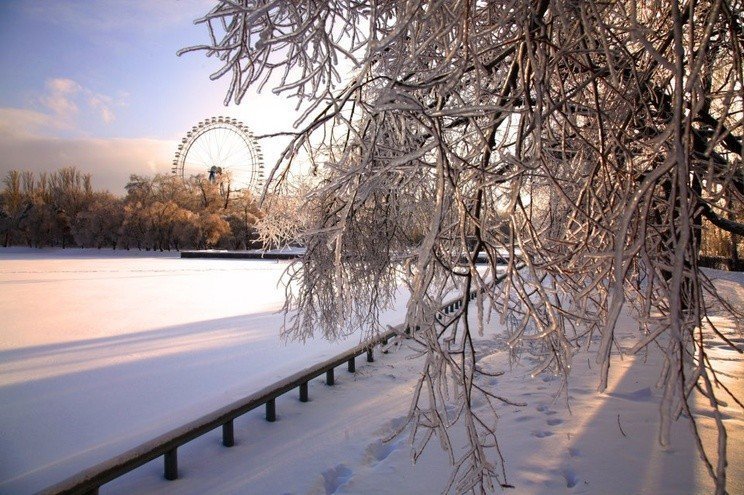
(583, 142)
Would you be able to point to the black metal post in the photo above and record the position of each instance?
(352, 365)
(329, 377)
(228, 435)
(171, 464)
(370, 356)
(270, 411)
(303, 392)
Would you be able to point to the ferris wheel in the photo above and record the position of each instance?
(224, 151)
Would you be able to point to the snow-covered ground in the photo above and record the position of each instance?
(100, 351)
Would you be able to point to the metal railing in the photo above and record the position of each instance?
(166, 445)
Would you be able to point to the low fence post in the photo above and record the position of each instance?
(270, 411)
(352, 365)
(228, 435)
(171, 464)
(329, 377)
(370, 356)
(303, 392)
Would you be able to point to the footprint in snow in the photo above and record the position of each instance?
(571, 479)
(711, 414)
(554, 421)
(641, 395)
(581, 391)
(545, 410)
(335, 477)
(725, 347)
(379, 451)
(542, 434)
(398, 422)
(392, 428)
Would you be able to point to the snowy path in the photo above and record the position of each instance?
(605, 444)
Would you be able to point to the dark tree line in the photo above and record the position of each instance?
(162, 212)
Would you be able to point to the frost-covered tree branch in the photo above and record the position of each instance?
(580, 141)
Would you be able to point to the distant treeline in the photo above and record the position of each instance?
(163, 212)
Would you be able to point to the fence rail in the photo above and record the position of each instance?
(255, 255)
(721, 263)
(166, 445)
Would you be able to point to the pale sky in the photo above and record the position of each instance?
(98, 85)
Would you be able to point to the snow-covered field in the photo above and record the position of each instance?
(100, 351)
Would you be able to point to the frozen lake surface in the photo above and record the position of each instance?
(100, 351)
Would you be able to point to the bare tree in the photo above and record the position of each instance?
(14, 206)
(583, 141)
(99, 224)
(287, 215)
